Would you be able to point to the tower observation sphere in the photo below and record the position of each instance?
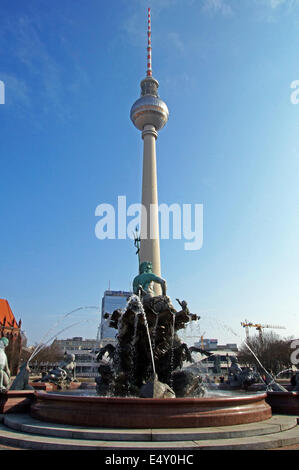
(149, 109)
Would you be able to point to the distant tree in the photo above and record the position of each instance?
(13, 351)
(24, 339)
(52, 354)
(25, 354)
(273, 352)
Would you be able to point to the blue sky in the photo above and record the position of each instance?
(71, 71)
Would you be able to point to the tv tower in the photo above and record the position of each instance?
(149, 114)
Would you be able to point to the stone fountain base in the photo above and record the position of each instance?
(140, 413)
(22, 431)
(285, 403)
(51, 387)
(16, 401)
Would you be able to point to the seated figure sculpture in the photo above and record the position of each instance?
(21, 381)
(143, 283)
(4, 369)
(235, 369)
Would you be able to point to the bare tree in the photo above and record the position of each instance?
(51, 354)
(273, 352)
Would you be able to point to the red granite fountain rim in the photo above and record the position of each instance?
(16, 393)
(242, 400)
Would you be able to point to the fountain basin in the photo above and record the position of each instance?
(49, 387)
(16, 401)
(141, 413)
(286, 403)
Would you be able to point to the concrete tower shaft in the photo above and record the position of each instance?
(149, 230)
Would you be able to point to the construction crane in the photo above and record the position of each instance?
(259, 328)
(201, 339)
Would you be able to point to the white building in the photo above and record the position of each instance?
(85, 354)
(224, 352)
(112, 300)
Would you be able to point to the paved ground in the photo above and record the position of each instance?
(295, 447)
(285, 424)
(9, 448)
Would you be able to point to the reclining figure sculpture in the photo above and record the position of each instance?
(63, 374)
(241, 378)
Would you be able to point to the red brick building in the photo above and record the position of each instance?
(11, 329)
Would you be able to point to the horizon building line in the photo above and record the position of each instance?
(149, 114)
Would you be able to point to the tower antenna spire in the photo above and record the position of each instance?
(149, 44)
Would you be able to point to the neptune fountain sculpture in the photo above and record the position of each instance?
(148, 348)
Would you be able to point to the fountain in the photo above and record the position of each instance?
(146, 395)
(143, 384)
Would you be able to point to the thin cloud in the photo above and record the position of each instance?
(272, 11)
(39, 84)
(217, 7)
(274, 4)
(176, 41)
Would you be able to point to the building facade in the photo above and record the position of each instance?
(212, 345)
(224, 352)
(85, 354)
(11, 329)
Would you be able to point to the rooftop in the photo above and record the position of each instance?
(7, 315)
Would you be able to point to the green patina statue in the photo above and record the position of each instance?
(4, 369)
(143, 283)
